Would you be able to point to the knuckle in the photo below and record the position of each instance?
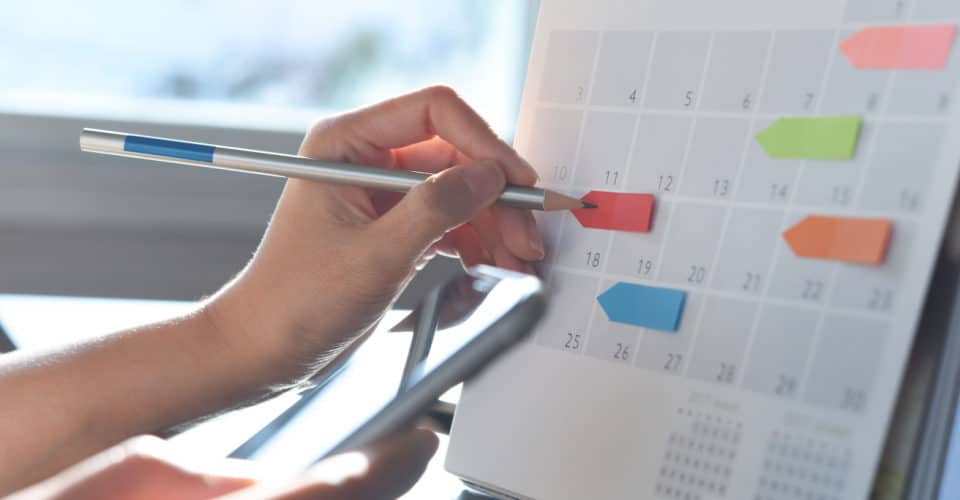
(442, 93)
(444, 100)
(325, 137)
(320, 125)
(323, 126)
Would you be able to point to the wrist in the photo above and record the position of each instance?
(254, 335)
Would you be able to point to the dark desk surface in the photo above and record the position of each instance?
(33, 321)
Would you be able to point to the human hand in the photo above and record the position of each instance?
(147, 468)
(334, 258)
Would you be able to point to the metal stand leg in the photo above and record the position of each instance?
(427, 319)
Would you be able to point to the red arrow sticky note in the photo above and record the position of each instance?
(617, 211)
(924, 47)
(844, 239)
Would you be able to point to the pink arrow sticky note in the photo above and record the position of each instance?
(917, 47)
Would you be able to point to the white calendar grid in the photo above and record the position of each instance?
(809, 355)
(568, 96)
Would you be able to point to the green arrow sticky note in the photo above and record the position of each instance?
(820, 138)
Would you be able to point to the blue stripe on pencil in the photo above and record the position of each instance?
(170, 149)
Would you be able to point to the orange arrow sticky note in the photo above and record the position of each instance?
(923, 47)
(857, 241)
(617, 211)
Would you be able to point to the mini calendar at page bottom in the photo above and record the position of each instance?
(773, 179)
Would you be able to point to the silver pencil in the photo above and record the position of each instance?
(284, 165)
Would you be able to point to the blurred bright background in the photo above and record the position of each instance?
(256, 63)
(91, 244)
(242, 73)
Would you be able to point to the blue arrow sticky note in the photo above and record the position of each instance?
(645, 306)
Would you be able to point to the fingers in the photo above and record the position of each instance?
(519, 232)
(432, 155)
(487, 227)
(417, 117)
(517, 228)
(385, 470)
(445, 201)
(430, 130)
(464, 242)
(395, 464)
(148, 468)
(142, 468)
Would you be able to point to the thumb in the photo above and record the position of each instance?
(442, 202)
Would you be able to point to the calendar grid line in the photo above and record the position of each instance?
(795, 208)
(683, 164)
(751, 335)
(684, 368)
(626, 177)
(633, 361)
(576, 152)
(907, 13)
(790, 206)
(642, 102)
(795, 204)
(728, 215)
(831, 285)
(587, 97)
(769, 115)
(588, 333)
(706, 292)
(816, 334)
(662, 197)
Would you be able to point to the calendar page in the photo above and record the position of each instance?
(773, 179)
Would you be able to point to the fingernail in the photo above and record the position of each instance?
(485, 180)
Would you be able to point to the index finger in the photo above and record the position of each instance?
(433, 111)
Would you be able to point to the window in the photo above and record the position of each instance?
(254, 63)
(236, 72)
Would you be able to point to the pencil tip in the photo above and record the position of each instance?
(587, 204)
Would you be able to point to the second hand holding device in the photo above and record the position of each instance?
(480, 315)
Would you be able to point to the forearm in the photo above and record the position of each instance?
(59, 407)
